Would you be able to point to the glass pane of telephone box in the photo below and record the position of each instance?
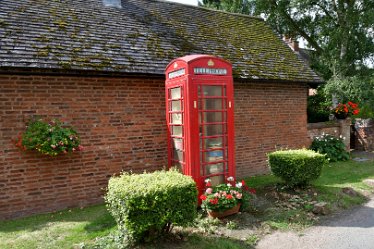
(214, 104)
(211, 117)
(212, 90)
(176, 105)
(214, 168)
(214, 130)
(177, 143)
(214, 155)
(215, 180)
(178, 155)
(176, 118)
(175, 93)
(177, 130)
(213, 143)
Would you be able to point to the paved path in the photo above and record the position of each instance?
(352, 229)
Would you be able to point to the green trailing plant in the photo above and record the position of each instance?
(146, 206)
(49, 138)
(296, 167)
(332, 147)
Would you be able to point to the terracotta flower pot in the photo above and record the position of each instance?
(231, 211)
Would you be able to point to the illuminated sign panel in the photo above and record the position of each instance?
(214, 71)
(177, 73)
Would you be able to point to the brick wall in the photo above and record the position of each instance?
(267, 116)
(364, 139)
(338, 128)
(122, 126)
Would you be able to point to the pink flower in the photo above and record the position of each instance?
(238, 195)
(209, 191)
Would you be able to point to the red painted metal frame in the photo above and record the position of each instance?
(190, 82)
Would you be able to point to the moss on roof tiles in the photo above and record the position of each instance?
(142, 37)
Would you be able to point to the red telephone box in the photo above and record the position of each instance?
(200, 118)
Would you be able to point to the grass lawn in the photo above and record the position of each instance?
(92, 227)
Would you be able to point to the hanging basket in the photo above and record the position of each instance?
(222, 214)
(341, 115)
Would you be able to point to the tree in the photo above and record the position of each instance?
(234, 6)
(339, 31)
(340, 34)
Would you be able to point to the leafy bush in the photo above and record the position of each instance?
(146, 205)
(296, 167)
(359, 89)
(332, 147)
(49, 138)
(318, 108)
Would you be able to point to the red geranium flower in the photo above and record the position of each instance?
(203, 197)
(228, 197)
(214, 201)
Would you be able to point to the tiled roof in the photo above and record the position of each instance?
(141, 37)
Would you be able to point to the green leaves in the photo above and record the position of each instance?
(332, 147)
(145, 205)
(296, 167)
(49, 138)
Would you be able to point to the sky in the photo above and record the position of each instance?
(190, 2)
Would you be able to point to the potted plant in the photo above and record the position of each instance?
(225, 199)
(49, 138)
(342, 111)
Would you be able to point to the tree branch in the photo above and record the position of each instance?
(296, 27)
(327, 13)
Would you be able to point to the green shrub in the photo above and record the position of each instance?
(332, 147)
(318, 108)
(147, 205)
(296, 167)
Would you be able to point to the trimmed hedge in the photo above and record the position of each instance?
(296, 167)
(146, 205)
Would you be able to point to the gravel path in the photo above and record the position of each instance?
(352, 229)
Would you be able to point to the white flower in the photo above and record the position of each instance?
(229, 185)
(230, 179)
(239, 185)
(207, 180)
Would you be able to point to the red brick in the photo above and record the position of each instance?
(121, 122)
